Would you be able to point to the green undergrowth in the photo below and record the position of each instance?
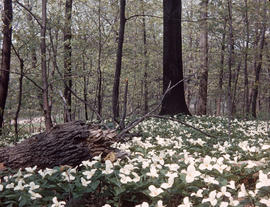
(213, 163)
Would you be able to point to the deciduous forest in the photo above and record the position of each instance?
(134, 103)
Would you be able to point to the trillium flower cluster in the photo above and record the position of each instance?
(171, 161)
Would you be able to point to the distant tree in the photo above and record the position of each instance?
(45, 86)
(202, 108)
(174, 102)
(258, 63)
(67, 61)
(6, 53)
(115, 97)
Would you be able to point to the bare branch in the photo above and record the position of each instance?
(28, 10)
(188, 125)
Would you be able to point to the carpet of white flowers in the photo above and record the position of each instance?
(170, 165)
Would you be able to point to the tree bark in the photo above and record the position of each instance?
(246, 86)
(258, 67)
(230, 58)
(66, 144)
(173, 102)
(6, 53)
(19, 99)
(46, 105)
(202, 108)
(145, 59)
(99, 82)
(115, 96)
(221, 72)
(67, 61)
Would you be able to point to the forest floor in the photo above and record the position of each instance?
(171, 164)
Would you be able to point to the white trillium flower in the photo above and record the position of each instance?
(125, 179)
(34, 195)
(89, 174)
(263, 180)
(159, 204)
(108, 167)
(32, 186)
(153, 172)
(191, 173)
(10, 185)
(106, 205)
(231, 185)
(57, 203)
(223, 192)
(30, 169)
(154, 191)
(198, 194)
(19, 186)
(224, 204)
(186, 203)
(206, 163)
(212, 198)
(144, 204)
(85, 182)
(265, 201)
(242, 192)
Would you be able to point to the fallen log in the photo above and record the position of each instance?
(65, 144)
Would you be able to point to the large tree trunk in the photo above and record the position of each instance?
(202, 108)
(67, 61)
(66, 144)
(174, 101)
(5, 64)
(115, 96)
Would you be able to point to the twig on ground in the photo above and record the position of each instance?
(188, 125)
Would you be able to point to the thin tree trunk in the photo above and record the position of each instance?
(203, 58)
(19, 100)
(85, 87)
(246, 86)
(231, 57)
(221, 72)
(99, 87)
(258, 68)
(190, 63)
(6, 53)
(145, 56)
(67, 60)
(235, 88)
(115, 96)
(46, 105)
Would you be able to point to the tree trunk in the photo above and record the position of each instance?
(66, 144)
(46, 105)
(67, 61)
(115, 96)
(85, 89)
(19, 95)
(222, 56)
(145, 57)
(99, 86)
(231, 58)
(202, 109)
(174, 101)
(5, 63)
(246, 86)
(258, 68)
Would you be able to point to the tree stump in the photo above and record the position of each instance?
(65, 144)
